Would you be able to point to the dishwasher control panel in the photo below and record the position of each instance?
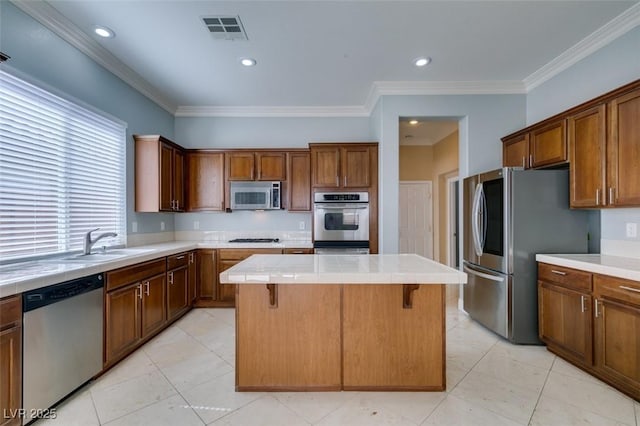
(35, 299)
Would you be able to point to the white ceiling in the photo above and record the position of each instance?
(331, 53)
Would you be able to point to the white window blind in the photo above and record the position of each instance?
(62, 172)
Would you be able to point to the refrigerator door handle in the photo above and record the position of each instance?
(484, 218)
(475, 221)
(482, 274)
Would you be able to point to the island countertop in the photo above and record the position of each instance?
(341, 269)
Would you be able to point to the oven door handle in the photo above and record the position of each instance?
(341, 207)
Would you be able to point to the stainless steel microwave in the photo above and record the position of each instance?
(255, 195)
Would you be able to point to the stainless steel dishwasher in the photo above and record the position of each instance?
(62, 326)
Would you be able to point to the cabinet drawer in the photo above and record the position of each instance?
(10, 311)
(241, 254)
(566, 277)
(177, 261)
(131, 274)
(617, 288)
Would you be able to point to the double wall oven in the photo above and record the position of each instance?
(341, 222)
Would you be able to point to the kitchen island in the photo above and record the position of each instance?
(340, 322)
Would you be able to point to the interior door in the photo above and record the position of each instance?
(416, 218)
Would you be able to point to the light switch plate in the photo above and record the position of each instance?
(134, 226)
(301, 225)
(162, 226)
(632, 230)
(196, 224)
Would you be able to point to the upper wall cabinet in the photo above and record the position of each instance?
(205, 181)
(541, 146)
(159, 174)
(259, 165)
(342, 165)
(299, 184)
(604, 143)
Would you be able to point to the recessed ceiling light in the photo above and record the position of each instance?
(421, 62)
(248, 62)
(104, 31)
(414, 122)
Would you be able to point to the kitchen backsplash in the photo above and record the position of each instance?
(224, 236)
(134, 240)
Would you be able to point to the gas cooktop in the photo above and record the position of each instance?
(255, 240)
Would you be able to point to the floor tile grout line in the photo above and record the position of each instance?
(542, 390)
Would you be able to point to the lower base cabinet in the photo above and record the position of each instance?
(592, 321)
(207, 278)
(10, 360)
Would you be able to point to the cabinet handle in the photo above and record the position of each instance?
(345, 180)
(337, 180)
(297, 252)
(635, 290)
(190, 257)
(146, 288)
(582, 304)
(170, 277)
(597, 311)
(524, 164)
(251, 174)
(530, 160)
(273, 295)
(180, 257)
(558, 272)
(611, 193)
(407, 295)
(597, 197)
(139, 291)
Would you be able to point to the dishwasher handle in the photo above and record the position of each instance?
(45, 296)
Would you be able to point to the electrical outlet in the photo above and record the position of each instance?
(134, 227)
(632, 230)
(301, 225)
(196, 224)
(162, 226)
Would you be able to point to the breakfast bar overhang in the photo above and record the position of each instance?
(330, 322)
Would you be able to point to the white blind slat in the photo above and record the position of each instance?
(61, 172)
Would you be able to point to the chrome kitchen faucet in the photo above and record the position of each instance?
(88, 242)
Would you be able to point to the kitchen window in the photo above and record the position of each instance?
(62, 172)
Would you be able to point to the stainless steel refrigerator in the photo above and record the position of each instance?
(510, 215)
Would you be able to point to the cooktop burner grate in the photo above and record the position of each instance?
(255, 240)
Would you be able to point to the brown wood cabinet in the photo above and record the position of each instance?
(159, 174)
(342, 165)
(299, 183)
(593, 321)
(177, 285)
(10, 360)
(226, 293)
(135, 307)
(298, 251)
(193, 277)
(260, 165)
(207, 278)
(564, 311)
(205, 181)
(543, 145)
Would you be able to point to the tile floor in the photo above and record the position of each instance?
(185, 376)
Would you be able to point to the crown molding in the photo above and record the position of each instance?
(48, 16)
(604, 35)
(272, 111)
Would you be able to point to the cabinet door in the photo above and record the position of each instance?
(564, 318)
(178, 180)
(226, 292)
(122, 321)
(515, 152)
(11, 373)
(388, 346)
(177, 292)
(154, 308)
(207, 275)
(325, 167)
(298, 251)
(271, 166)
(193, 277)
(299, 184)
(355, 167)
(205, 189)
(587, 143)
(623, 175)
(548, 144)
(240, 166)
(166, 178)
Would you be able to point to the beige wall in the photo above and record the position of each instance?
(435, 163)
(416, 162)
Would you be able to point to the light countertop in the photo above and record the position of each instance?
(621, 267)
(24, 276)
(341, 269)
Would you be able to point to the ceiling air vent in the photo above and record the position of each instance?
(225, 27)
